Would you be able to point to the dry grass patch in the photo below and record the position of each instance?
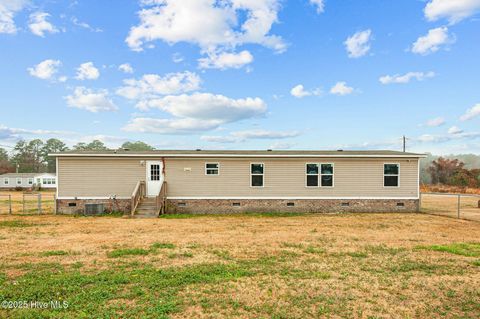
(300, 266)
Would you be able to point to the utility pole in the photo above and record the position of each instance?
(404, 144)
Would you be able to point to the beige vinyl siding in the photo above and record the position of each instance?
(283, 177)
(93, 177)
(286, 178)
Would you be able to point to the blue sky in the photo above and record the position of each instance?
(243, 74)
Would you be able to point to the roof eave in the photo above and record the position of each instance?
(241, 155)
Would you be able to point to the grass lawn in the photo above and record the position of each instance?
(262, 266)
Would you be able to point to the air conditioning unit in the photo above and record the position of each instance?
(94, 209)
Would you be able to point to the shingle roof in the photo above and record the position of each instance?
(241, 153)
(22, 175)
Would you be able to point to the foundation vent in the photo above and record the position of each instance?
(72, 204)
(346, 204)
(94, 209)
(400, 204)
(290, 204)
(236, 204)
(182, 204)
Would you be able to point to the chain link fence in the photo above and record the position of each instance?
(462, 206)
(17, 203)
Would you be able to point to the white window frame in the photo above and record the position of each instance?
(251, 174)
(6, 181)
(320, 175)
(54, 181)
(19, 179)
(39, 181)
(398, 175)
(306, 175)
(218, 168)
(30, 181)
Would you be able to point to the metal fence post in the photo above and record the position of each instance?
(10, 204)
(39, 198)
(458, 206)
(55, 204)
(420, 202)
(23, 202)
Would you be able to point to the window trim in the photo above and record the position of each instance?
(30, 181)
(263, 175)
(6, 181)
(398, 175)
(320, 175)
(17, 182)
(218, 168)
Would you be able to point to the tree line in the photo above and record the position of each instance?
(453, 172)
(32, 156)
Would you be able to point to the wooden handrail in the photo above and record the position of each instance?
(137, 195)
(161, 198)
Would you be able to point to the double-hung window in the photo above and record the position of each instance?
(6, 181)
(30, 181)
(312, 175)
(326, 173)
(391, 175)
(19, 181)
(212, 168)
(319, 175)
(256, 174)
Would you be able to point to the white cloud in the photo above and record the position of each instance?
(170, 126)
(455, 130)
(85, 25)
(215, 26)
(226, 60)
(8, 9)
(471, 113)
(428, 138)
(241, 136)
(87, 71)
(90, 100)
(406, 78)
(125, 68)
(453, 10)
(432, 41)
(358, 44)
(45, 70)
(219, 139)
(319, 4)
(10, 133)
(177, 58)
(299, 91)
(195, 113)
(152, 85)
(207, 106)
(435, 122)
(264, 134)
(39, 25)
(341, 88)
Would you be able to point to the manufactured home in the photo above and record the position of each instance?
(28, 180)
(202, 181)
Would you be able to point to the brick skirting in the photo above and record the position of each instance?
(77, 206)
(300, 205)
(218, 206)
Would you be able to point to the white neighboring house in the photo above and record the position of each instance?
(28, 180)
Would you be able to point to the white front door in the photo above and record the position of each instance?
(154, 178)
